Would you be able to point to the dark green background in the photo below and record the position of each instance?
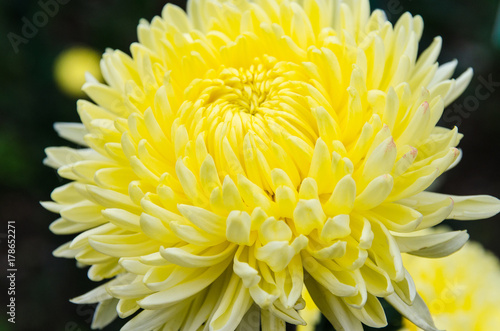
(30, 103)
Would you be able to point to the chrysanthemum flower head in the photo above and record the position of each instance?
(247, 148)
(461, 291)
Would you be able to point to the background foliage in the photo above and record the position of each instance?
(30, 103)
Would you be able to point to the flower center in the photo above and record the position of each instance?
(230, 91)
(267, 98)
(247, 89)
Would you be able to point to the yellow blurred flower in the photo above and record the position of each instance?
(247, 148)
(461, 291)
(71, 66)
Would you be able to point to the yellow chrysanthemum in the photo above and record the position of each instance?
(247, 148)
(462, 291)
(71, 66)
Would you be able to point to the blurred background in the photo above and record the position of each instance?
(31, 101)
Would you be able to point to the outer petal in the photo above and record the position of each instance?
(418, 313)
(433, 245)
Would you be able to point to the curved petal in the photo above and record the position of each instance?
(418, 313)
(433, 245)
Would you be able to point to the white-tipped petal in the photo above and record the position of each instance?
(433, 245)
